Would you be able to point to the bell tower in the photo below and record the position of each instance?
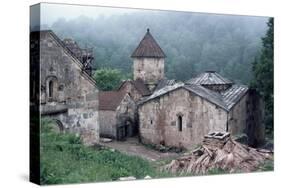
(149, 60)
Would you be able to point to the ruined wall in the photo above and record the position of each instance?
(150, 70)
(64, 87)
(159, 119)
(107, 123)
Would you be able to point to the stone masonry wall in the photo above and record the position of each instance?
(159, 119)
(107, 120)
(126, 116)
(237, 117)
(128, 87)
(150, 70)
(112, 120)
(64, 87)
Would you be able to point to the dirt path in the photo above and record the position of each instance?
(132, 147)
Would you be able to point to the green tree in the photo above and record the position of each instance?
(263, 73)
(108, 79)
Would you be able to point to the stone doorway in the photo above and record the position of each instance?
(125, 130)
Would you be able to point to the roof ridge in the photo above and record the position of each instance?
(58, 40)
(224, 100)
(209, 78)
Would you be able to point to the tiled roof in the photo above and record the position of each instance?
(226, 100)
(207, 94)
(233, 95)
(161, 92)
(148, 47)
(164, 82)
(110, 100)
(209, 78)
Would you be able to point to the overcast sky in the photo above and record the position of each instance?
(51, 12)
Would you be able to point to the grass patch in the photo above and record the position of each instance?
(64, 159)
(164, 149)
(267, 166)
(216, 171)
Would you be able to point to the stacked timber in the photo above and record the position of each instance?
(219, 151)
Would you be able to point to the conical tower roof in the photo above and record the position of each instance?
(148, 47)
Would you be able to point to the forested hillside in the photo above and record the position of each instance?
(193, 42)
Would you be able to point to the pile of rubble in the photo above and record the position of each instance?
(219, 151)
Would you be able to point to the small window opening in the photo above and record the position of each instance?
(151, 122)
(180, 123)
(51, 88)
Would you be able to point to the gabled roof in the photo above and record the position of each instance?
(226, 100)
(139, 85)
(233, 95)
(148, 47)
(164, 82)
(44, 33)
(110, 100)
(209, 78)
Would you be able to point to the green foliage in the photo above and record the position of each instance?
(267, 166)
(215, 171)
(193, 42)
(263, 74)
(108, 79)
(64, 159)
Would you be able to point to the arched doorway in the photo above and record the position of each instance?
(125, 129)
(57, 126)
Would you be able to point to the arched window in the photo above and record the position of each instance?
(51, 89)
(180, 123)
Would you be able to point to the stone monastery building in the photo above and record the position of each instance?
(158, 110)
(180, 114)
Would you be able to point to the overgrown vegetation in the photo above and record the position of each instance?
(109, 79)
(64, 159)
(263, 76)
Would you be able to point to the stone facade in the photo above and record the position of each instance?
(148, 60)
(135, 88)
(68, 94)
(129, 87)
(108, 123)
(179, 118)
(150, 70)
(117, 120)
(237, 117)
